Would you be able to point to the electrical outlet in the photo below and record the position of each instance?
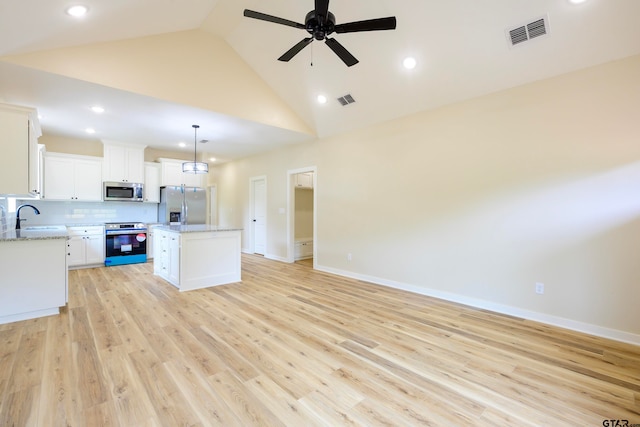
(539, 288)
(349, 257)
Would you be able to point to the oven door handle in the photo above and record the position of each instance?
(118, 232)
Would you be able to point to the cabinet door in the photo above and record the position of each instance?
(135, 164)
(152, 182)
(174, 259)
(123, 164)
(19, 160)
(115, 163)
(171, 173)
(88, 180)
(76, 251)
(161, 253)
(304, 180)
(59, 181)
(94, 249)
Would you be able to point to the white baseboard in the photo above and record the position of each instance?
(561, 322)
(30, 315)
(267, 256)
(276, 258)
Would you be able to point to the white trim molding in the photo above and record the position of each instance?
(548, 319)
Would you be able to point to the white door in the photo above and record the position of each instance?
(259, 216)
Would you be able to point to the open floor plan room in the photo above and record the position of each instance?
(293, 346)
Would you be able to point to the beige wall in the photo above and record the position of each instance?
(478, 201)
(61, 144)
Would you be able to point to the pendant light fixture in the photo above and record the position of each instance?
(195, 166)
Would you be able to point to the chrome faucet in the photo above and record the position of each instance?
(18, 214)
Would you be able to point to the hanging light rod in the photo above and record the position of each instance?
(195, 166)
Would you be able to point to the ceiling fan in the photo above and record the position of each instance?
(321, 23)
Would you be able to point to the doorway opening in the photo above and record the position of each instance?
(301, 216)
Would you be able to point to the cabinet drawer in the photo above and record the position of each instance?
(85, 231)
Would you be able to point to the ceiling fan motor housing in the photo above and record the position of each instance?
(319, 30)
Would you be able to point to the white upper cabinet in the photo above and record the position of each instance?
(71, 177)
(304, 180)
(152, 182)
(123, 163)
(19, 162)
(171, 174)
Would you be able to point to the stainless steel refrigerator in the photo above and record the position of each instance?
(182, 205)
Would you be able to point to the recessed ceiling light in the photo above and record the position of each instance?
(77, 11)
(212, 159)
(182, 144)
(322, 99)
(90, 130)
(97, 109)
(409, 63)
(577, 1)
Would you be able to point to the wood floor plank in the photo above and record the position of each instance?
(58, 404)
(170, 405)
(296, 347)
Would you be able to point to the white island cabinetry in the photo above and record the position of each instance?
(197, 256)
(34, 275)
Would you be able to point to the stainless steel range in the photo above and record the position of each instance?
(126, 243)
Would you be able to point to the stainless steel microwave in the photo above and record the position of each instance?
(123, 192)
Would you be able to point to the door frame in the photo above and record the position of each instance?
(291, 208)
(252, 237)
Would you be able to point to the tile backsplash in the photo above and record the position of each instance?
(70, 213)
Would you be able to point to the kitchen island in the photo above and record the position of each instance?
(33, 272)
(197, 256)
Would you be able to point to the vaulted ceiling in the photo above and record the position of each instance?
(159, 66)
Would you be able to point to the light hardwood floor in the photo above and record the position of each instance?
(293, 346)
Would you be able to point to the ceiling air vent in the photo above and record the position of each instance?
(346, 100)
(536, 28)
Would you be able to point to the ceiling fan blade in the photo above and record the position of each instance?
(322, 10)
(368, 25)
(269, 18)
(294, 50)
(343, 53)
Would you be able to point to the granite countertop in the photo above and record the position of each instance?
(44, 232)
(195, 228)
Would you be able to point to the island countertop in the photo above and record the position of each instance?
(35, 233)
(196, 228)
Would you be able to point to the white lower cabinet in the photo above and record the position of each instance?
(85, 246)
(166, 261)
(303, 249)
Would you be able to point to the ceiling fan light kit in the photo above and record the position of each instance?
(320, 23)
(195, 166)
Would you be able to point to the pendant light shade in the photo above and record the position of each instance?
(195, 166)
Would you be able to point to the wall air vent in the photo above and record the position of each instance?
(536, 28)
(346, 100)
